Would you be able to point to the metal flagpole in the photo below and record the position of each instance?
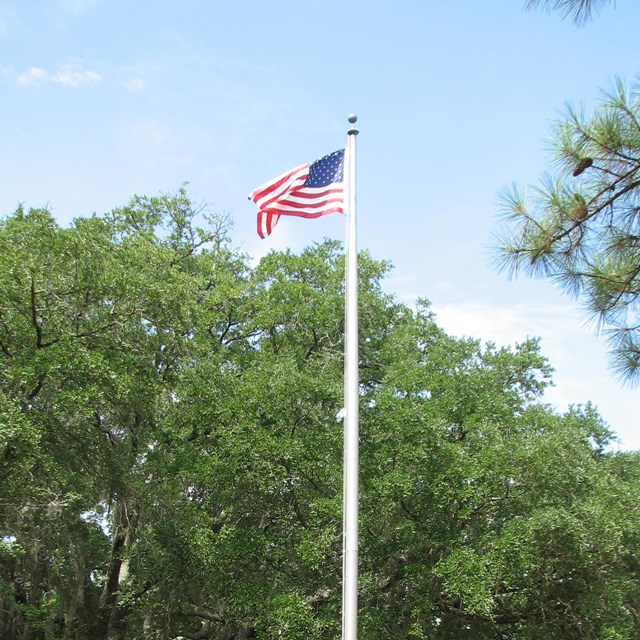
(351, 395)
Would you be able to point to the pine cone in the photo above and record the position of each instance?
(583, 163)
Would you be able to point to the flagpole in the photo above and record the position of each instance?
(351, 395)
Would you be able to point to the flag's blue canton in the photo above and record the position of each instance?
(327, 170)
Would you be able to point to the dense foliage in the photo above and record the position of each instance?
(581, 228)
(171, 456)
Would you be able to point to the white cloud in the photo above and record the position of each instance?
(69, 75)
(33, 76)
(506, 325)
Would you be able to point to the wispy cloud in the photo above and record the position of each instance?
(6, 18)
(69, 75)
(76, 6)
(136, 84)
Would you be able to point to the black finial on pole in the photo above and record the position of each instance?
(353, 131)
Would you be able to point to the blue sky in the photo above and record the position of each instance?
(103, 99)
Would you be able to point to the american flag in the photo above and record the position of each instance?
(308, 191)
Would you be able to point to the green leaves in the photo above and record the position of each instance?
(580, 227)
(171, 452)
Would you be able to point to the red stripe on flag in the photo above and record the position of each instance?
(287, 195)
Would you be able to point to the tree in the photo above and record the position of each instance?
(171, 452)
(484, 515)
(581, 227)
(479, 502)
(580, 10)
(95, 323)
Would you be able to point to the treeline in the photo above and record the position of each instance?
(171, 452)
